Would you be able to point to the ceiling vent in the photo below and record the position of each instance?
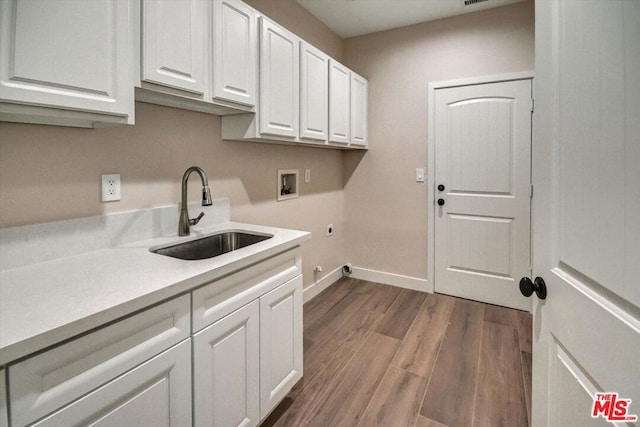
(472, 2)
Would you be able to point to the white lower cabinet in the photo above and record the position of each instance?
(247, 362)
(224, 355)
(247, 344)
(226, 370)
(280, 343)
(153, 394)
(122, 371)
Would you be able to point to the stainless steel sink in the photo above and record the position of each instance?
(211, 246)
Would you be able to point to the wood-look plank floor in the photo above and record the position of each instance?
(377, 355)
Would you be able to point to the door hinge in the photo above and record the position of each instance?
(532, 104)
(531, 192)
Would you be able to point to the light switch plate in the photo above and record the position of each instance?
(419, 175)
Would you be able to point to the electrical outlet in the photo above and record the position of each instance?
(329, 230)
(111, 187)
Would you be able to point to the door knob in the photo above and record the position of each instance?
(440, 187)
(527, 287)
(440, 202)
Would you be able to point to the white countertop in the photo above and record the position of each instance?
(45, 303)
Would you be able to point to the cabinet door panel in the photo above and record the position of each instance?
(279, 81)
(234, 52)
(154, 394)
(314, 93)
(339, 103)
(225, 360)
(359, 110)
(280, 343)
(174, 44)
(69, 54)
(54, 378)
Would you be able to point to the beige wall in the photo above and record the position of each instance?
(386, 210)
(50, 173)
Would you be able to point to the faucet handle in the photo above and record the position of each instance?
(194, 221)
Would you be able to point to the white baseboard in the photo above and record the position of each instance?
(391, 279)
(314, 289)
(385, 278)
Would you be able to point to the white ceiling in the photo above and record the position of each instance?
(349, 18)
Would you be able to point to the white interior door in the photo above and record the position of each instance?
(586, 212)
(483, 189)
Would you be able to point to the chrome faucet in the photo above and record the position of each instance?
(184, 222)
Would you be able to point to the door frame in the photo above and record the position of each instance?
(431, 149)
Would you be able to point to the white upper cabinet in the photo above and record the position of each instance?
(339, 103)
(199, 55)
(303, 96)
(314, 94)
(174, 49)
(66, 62)
(234, 52)
(279, 81)
(348, 106)
(359, 110)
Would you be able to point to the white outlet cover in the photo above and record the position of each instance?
(111, 187)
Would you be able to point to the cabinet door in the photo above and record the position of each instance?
(174, 48)
(156, 393)
(67, 54)
(339, 103)
(279, 81)
(280, 343)
(314, 93)
(359, 110)
(234, 59)
(226, 366)
(48, 381)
